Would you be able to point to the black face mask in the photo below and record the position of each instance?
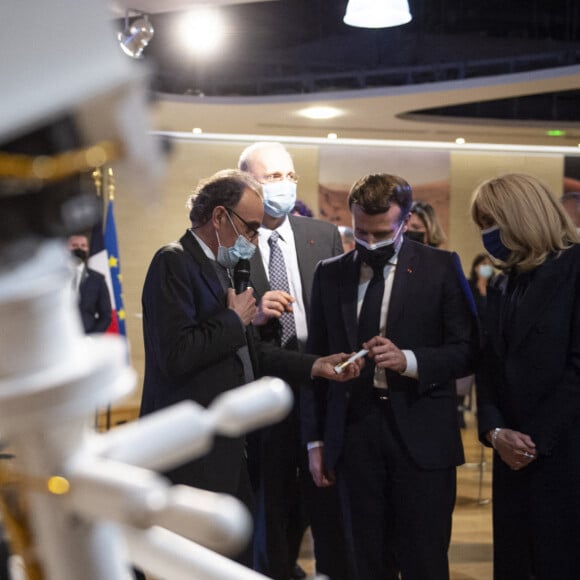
(79, 254)
(415, 236)
(377, 258)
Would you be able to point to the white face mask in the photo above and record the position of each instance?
(279, 197)
(382, 243)
(485, 271)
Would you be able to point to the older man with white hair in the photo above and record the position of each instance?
(282, 271)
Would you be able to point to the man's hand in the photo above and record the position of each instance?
(386, 354)
(243, 304)
(516, 449)
(316, 466)
(273, 304)
(324, 367)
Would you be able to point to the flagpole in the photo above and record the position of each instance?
(110, 184)
(97, 176)
(111, 197)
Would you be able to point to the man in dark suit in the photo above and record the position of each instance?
(391, 438)
(277, 450)
(91, 287)
(198, 338)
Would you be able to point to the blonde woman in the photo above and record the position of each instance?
(528, 386)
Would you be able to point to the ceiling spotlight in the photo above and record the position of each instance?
(377, 13)
(136, 36)
(203, 30)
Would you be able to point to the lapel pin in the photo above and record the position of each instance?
(311, 242)
(409, 270)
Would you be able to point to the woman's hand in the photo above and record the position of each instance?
(517, 450)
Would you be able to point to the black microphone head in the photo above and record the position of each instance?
(241, 275)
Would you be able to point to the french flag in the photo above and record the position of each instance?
(104, 258)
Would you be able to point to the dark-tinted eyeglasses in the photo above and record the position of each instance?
(251, 231)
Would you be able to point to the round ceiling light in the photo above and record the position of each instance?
(320, 112)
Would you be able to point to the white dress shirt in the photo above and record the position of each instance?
(366, 273)
(288, 247)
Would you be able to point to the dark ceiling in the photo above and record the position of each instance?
(302, 46)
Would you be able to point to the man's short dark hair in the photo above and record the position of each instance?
(376, 193)
(223, 188)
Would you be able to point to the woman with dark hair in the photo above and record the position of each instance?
(528, 382)
(479, 277)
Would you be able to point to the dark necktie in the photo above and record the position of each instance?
(369, 319)
(279, 281)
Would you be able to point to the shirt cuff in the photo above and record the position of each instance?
(411, 371)
(314, 444)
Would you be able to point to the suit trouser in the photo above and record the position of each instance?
(280, 517)
(327, 526)
(400, 515)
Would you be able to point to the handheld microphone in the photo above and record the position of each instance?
(241, 275)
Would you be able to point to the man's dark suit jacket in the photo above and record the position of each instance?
(191, 341)
(431, 313)
(275, 453)
(314, 240)
(94, 302)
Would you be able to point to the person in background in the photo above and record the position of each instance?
(347, 238)
(283, 307)
(528, 382)
(571, 203)
(390, 439)
(300, 208)
(424, 225)
(479, 277)
(93, 295)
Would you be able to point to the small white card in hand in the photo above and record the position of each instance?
(339, 368)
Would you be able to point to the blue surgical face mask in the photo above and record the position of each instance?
(243, 249)
(279, 197)
(485, 271)
(493, 244)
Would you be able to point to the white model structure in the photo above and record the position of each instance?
(79, 505)
(93, 503)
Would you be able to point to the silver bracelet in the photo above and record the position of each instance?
(494, 435)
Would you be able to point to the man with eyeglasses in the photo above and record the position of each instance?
(198, 338)
(294, 244)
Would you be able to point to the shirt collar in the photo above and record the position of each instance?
(284, 229)
(206, 249)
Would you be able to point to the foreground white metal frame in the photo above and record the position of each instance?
(92, 505)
